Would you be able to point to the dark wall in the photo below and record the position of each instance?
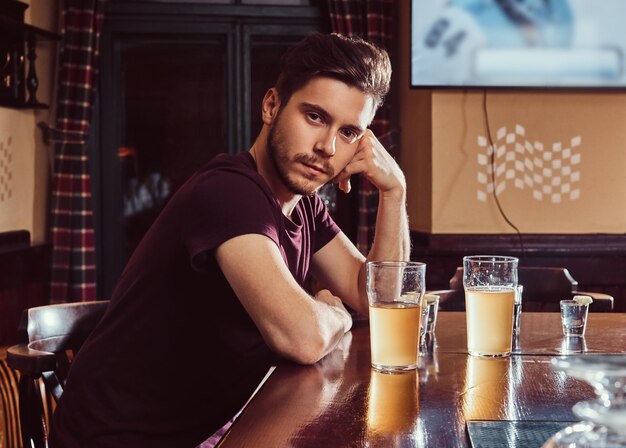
(24, 280)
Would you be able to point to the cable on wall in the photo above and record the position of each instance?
(493, 175)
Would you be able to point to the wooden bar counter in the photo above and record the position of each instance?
(342, 402)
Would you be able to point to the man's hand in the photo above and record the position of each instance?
(376, 164)
(339, 266)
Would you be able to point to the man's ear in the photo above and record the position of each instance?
(270, 106)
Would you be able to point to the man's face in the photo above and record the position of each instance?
(317, 133)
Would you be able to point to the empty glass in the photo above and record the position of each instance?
(430, 306)
(517, 309)
(574, 317)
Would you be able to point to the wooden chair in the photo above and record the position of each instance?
(544, 288)
(9, 405)
(52, 334)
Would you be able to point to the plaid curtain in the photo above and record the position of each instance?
(372, 20)
(71, 228)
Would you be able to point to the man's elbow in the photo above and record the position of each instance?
(305, 352)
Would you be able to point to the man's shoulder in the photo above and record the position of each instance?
(228, 172)
(229, 186)
(241, 162)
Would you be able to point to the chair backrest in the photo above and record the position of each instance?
(56, 328)
(52, 334)
(545, 287)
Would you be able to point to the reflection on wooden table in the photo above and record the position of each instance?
(341, 401)
(487, 384)
(392, 406)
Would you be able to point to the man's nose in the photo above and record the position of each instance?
(326, 143)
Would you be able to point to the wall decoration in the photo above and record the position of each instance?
(551, 172)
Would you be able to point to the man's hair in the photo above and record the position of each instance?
(352, 60)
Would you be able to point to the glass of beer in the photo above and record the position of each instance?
(490, 284)
(395, 290)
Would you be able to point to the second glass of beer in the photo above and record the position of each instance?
(490, 282)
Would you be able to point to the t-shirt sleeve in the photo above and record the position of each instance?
(225, 205)
(325, 227)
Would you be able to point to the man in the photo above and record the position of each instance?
(213, 295)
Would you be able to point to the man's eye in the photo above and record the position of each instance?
(314, 117)
(349, 134)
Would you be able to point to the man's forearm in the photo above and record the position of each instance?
(391, 239)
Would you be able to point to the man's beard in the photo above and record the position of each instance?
(280, 159)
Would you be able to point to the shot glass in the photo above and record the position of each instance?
(394, 291)
(517, 309)
(490, 284)
(430, 306)
(574, 317)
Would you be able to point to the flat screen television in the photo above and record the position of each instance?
(518, 43)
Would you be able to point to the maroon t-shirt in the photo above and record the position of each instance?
(176, 355)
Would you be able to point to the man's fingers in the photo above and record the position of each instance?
(374, 162)
(343, 181)
(357, 165)
(345, 185)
